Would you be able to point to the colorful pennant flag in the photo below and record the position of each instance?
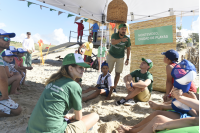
(59, 13)
(29, 3)
(52, 9)
(85, 19)
(70, 15)
(77, 18)
(112, 25)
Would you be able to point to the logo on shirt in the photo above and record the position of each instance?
(79, 58)
(140, 79)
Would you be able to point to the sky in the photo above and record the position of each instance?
(44, 24)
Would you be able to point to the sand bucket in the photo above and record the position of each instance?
(190, 44)
(117, 11)
(178, 34)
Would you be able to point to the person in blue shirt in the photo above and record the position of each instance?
(95, 29)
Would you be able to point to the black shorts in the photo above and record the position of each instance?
(87, 58)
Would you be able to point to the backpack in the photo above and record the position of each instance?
(105, 81)
(95, 65)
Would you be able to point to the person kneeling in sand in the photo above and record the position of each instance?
(61, 94)
(142, 87)
(104, 85)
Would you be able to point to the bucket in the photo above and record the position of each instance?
(178, 34)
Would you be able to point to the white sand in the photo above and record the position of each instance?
(110, 114)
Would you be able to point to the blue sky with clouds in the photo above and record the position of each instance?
(44, 24)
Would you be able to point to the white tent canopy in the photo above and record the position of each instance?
(142, 9)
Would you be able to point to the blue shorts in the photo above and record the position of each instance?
(107, 91)
(182, 115)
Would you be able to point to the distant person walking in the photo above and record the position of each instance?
(28, 45)
(80, 30)
(95, 29)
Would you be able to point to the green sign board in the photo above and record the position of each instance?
(155, 35)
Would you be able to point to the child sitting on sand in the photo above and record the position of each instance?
(104, 84)
(14, 64)
(19, 62)
(170, 58)
(13, 75)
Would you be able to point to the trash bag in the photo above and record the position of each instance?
(95, 65)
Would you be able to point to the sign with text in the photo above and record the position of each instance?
(155, 35)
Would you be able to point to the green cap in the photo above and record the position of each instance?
(149, 62)
(74, 59)
(122, 25)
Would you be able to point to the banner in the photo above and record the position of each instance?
(155, 35)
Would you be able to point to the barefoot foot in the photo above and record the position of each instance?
(154, 106)
(123, 129)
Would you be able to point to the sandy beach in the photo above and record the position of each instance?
(110, 114)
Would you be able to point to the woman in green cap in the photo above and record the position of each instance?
(60, 95)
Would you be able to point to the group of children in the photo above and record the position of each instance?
(14, 67)
(63, 93)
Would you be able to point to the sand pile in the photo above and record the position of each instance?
(110, 114)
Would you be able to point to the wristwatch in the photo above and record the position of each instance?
(127, 59)
(131, 84)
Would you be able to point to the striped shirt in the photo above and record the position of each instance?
(1, 61)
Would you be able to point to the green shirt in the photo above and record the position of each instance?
(103, 51)
(139, 76)
(55, 102)
(117, 51)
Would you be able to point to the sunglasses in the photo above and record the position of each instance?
(5, 39)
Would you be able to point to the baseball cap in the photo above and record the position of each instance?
(20, 50)
(12, 49)
(73, 58)
(183, 73)
(171, 54)
(122, 25)
(2, 32)
(7, 53)
(149, 62)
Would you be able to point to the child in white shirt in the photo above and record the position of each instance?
(104, 85)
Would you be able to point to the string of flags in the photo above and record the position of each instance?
(59, 12)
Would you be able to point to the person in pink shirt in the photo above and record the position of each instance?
(80, 30)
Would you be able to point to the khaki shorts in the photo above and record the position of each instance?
(143, 96)
(111, 62)
(76, 127)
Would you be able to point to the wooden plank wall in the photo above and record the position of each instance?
(152, 51)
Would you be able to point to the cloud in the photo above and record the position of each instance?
(55, 38)
(195, 26)
(2, 25)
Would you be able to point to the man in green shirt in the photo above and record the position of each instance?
(119, 42)
(142, 87)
